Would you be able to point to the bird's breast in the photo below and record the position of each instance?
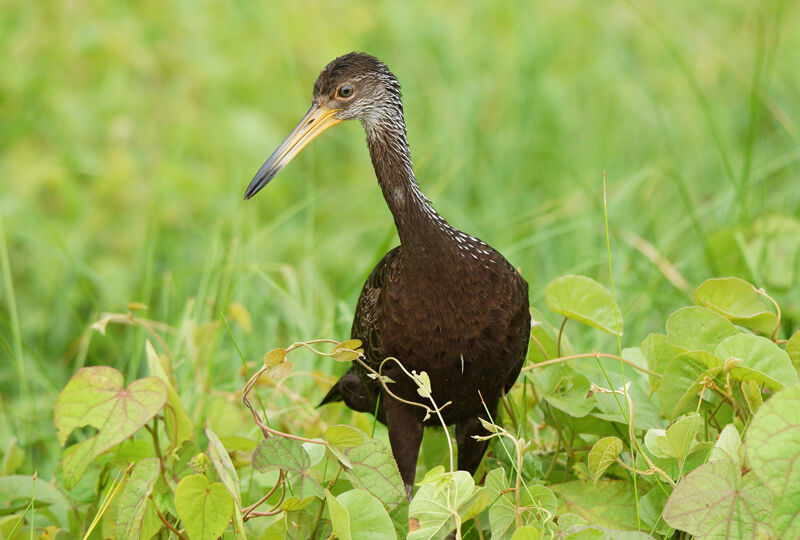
(456, 316)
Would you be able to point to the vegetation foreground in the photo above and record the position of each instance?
(139, 295)
(584, 451)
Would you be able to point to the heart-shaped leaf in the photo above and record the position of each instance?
(751, 392)
(658, 352)
(342, 436)
(793, 350)
(608, 503)
(347, 351)
(439, 508)
(736, 300)
(698, 329)
(602, 455)
(357, 515)
(423, 383)
(136, 517)
(544, 340)
(274, 357)
(761, 360)
(179, 426)
(773, 449)
(227, 475)
(375, 470)
(204, 508)
(679, 438)
(280, 453)
(538, 504)
(563, 387)
(683, 380)
(715, 501)
(95, 397)
(585, 300)
(727, 445)
(651, 509)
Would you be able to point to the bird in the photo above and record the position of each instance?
(442, 302)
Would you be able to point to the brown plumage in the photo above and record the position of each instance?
(442, 302)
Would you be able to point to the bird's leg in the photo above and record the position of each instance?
(470, 451)
(405, 435)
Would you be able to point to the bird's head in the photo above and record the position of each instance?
(355, 85)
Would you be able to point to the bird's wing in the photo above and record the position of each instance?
(354, 387)
(365, 322)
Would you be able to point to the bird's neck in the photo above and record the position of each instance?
(423, 232)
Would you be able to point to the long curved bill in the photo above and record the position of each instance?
(316, 120)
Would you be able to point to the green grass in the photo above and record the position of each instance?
(129, 131)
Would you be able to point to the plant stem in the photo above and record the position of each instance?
(590, 355)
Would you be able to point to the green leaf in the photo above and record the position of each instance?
(16, 492)
(204, 508)
(343, 437)
(315, 451)
(347, 351)
(280, 453)
(375, 470)
(727, 445)
(544, 340)
(698, 329)
(371, 466)
(537, 503)
(440, 507)
(772, 444)
(351, 344)
(658, 352)
(651, 442)
(585, 300)
(563, 387)
(715, 501)
(135, 516)
(602, 455)
(178, 424)
(593, 532)
(274, 357)
(527, 532)
(340, 517)
(683, 379)
(278, 371)
(761, 360)
(95, 397)
(611, 406)
(608, 503)
(793, 350)
(433, 475)
(294, 503)
(736, 300)
(679, 438)
(301, 523)
(357, 515)
(423, 383)
(751, 393)
(651, 508)
(227, 475)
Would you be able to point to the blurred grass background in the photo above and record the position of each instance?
(129, 130)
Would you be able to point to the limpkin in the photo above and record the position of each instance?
(442, 301)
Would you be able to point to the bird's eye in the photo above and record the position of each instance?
(345, 91)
